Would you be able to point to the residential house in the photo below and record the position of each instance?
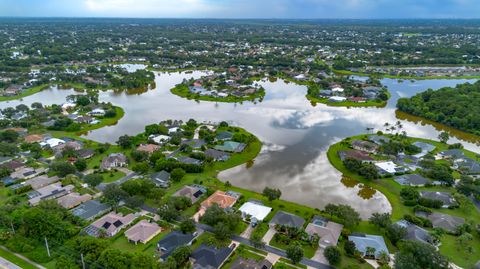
(425, 147)
(41, 181)
(160, 139)
(255, 212)
(467, 166)
(217, 155)
(231, 146)
(241, 263)
(194, 143)
(444, 221)
(219, 198)
(327, 231)
(355, 154)
(86, 153)
(210, 256)
(451, 154)
(445, 197)
(224, 135)
(114, 160)
(13, 165)
(416, 233)
(337, 99)
(172, 241)
(73, 199)
(110, 224)
(389, 167)
(148, 148)
(379, 139)
(26, 172)
(34, 138)
(89, 210)
(49, 192)
(188, 160)
(364, 146)
(161, 179)
(283, 218)
(52, 142)
(193, 192)
(365, 242)
(411, 180)
(142, 232)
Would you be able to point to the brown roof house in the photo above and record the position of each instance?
(33, 138)
(41, 181)
(192, 192)
(49, 192)
(364, 146)
(110, 224)
(148, 148)
(73, 199)
(142, 232)
(328, 231)
(114, 160)
(219, 198)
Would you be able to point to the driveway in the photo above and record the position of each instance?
(269, 235)
(247, 232)
(129, 175)
(318, 256)
(6, 264)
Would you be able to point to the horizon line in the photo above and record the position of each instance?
(226, 18)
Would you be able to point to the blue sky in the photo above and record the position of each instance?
(243, 8)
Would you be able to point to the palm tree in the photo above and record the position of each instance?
(370, 252)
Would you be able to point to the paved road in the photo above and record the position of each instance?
(268, 248)
(6, 264)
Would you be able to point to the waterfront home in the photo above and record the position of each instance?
(366, 242)
(364, 146)
(415, 232)
(188, 160)
(389, 167)
(231, 146)
(325, 93)
(142, 232)
(283, 218)
(210, 256)
(89, 210)
(73, 199)
(327, 231)
(172, 241)
(194, 143)
(161, 179)
(217, 155)
(224, 135)
(48, 192)
(255, 212)
(439, 220)
(97, 112)
(425, 147)
(52, 142)
(192, 192)
(411, 180)
(379, 139)
(451, 154)
(445, 197)
(220, 198)
(114, 160)
(467, 166)
(110, 224)
(160, 139)
(85, 153)
(355, 154)
(337, 99)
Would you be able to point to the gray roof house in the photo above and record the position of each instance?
(114, 160)
(172, 241)
(210, 257)
(451, 154)
(225, 135)
(379, 139)
(89, 210)
(415, 232)
(411, 180)
(444, 221)
(286, 219)
(425, 147)
(217, 155)
(364, 146)
(188, 160)
(445, 197)
(161, 179)
(363, 241)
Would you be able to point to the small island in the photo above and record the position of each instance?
(233, 86)
(348, 91)
(424, 180)
(80, 113)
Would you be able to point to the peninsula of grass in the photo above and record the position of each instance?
(105, 121)
(369, 103)
(183, 91)
(25, 93)
(391, 190)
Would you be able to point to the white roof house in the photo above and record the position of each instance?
(52, 142)
(160, 139)
(173, 130)
(389, 167)
(337, 99)
(68, 105)
(338, 89)
(256, 211)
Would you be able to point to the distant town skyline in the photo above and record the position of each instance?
(288, 9)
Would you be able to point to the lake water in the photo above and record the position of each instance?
(296, 135)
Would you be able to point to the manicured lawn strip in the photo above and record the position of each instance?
(183, 91)
(458, 253)
(119, 241)
(111, 176)
(347, 103)
(308, 249)
(289, 262)
(4, 194)
(243, 252)
(16, 260)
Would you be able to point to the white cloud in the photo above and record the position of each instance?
(154, 8)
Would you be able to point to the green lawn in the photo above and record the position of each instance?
(112, 176)
(308, 249)
(103, 121)
(25, 93)
(369, 103)
(459, 253)
(16, 260)
(346, 72)
(289, 263)
(243, 252)
(119, 241)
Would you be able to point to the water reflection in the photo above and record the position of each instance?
(296, 135)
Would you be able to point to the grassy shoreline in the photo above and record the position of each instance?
(351, 73)
(182, 91)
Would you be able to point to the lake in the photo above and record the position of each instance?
(296, 135)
